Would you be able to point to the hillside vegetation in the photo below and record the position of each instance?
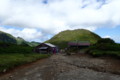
(8, 38)
(64, 37)
(105, 47)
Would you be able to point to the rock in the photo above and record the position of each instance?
(4, 70)
(62, 71)
(10, 77)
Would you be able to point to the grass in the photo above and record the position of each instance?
(9, 61)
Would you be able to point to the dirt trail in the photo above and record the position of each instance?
(61, 67)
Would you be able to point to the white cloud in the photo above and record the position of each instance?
(116, 38)
(58, 15)
(107, 36)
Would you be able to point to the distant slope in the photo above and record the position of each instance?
(64, 37)
(20, 40)
(7, 38)
(33, 43)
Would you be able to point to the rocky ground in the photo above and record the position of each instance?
(62, 67)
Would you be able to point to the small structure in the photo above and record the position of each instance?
(79, 44)
(46, 48)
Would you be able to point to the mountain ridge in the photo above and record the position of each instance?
(8, 38)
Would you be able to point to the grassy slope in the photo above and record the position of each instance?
(5, 37)
(64, 37)
(8, 61)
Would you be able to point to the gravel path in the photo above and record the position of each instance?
(61, 67)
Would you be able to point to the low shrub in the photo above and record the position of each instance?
(104, 48)
(98, 53)
(105, 40)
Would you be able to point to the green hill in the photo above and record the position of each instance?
(33, 43)
(64, 37)
(20, 41)
(7, 38)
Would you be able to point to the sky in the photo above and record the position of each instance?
(39, 20)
